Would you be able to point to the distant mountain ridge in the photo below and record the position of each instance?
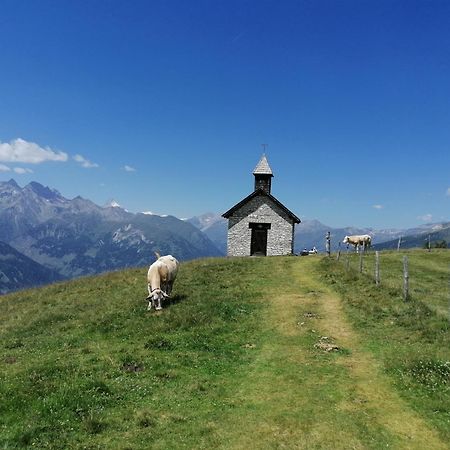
(436, 233)
(77, 237)
(214, 226)
(17, 271)
(67, 238)
(311, 233)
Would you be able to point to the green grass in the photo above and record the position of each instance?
(232, 362)
(428, 274)
(410, 339)
(84, 365)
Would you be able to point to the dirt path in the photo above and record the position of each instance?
(297, 395)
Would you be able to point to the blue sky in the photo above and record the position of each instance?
(164, 105)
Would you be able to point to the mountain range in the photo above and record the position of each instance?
(436, 233)
(311, 233)
(45, 237)
(75, 237)
(18, 271)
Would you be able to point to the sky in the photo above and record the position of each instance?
(164, 106)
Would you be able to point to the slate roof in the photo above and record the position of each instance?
(253, 195)
(263, 168)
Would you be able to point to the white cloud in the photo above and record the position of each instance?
(129, 169)
(18, 170)
(21, 170)
(378, 206)
(426, 218)
(448, 192)
(84, 162)
(22, 151)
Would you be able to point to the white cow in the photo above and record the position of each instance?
(363, 240)
(160, 278)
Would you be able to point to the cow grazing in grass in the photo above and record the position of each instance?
(363, 240)
(160, 278)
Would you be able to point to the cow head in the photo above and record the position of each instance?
(345, 241)
(155, 297)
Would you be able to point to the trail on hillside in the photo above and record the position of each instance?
(312, 385)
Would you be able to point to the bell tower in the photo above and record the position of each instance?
(260, 225)
(263, 175)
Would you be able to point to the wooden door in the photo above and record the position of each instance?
(258, 246)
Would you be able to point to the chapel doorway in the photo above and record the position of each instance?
(258, 246)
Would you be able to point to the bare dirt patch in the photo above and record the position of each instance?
(132, 367)
(10, 360)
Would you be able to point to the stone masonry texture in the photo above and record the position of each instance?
(260, 209)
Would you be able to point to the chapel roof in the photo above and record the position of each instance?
(254, 194)
(263, 168)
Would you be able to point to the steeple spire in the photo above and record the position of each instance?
(263, 175)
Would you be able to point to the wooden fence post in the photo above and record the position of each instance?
(339, 252)
(377, 268)
(399, 243)
(405, 279)
(360, 261)
(328, 243)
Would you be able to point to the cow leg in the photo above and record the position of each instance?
(149, 298)
(169, 287)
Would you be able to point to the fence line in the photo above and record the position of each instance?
(398, 276)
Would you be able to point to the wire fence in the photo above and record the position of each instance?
(418, 274)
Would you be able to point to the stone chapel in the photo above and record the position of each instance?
(260, 225)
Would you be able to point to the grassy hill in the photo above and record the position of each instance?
(251, 353)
